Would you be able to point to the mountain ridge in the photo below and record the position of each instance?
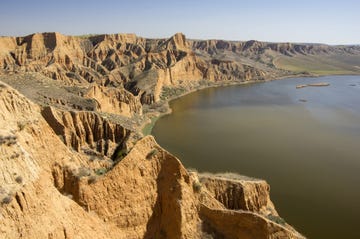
(125, 59)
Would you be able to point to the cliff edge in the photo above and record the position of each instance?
(50, 190)
(74, 163)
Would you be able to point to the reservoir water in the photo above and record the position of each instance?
(304, 142)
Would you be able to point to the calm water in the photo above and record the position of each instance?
(308, 151)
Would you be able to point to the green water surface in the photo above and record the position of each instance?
(309, 152)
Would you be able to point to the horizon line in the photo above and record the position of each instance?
(191, 39)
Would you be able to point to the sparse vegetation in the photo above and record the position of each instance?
(197, 186)
(121, 154)
(83, 172)
(319, 65)
(276, 219)
(7, 199)
(14, 156)
(169, 92)
(21, 125)
(148, 127)
(87, 35)
(101, 171)
(152, 153)
(19, 179)
(8, 140)
(228, 175)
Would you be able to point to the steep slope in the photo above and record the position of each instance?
(73, 163)
(291, 57)
(86, 131)
(142, 66)
(46, 193)
(145, 66)
(114, 100)
(31, 206)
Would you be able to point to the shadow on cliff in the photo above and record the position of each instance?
(165, 221)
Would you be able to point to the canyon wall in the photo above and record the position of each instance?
(141, 66)
(146, 193)
(74, 164)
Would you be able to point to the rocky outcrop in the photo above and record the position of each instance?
(85, 130)
(240, 194)
(242, 224)
(144, 66)
(147, 195)
(115, 101)
(50, 191)
(31, 206)
(141, 66)
(255, 48)
(151, 195)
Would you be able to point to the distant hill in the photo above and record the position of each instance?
(144, 66)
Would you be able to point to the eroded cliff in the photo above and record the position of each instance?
(142, 66)
(74, 164)
(49, 190)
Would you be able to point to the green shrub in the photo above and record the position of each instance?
(19, 179)
(83, 172)
(21, 125)
(151, 153)
(6, 200)
(8, 140)
(276, 219)
(121, 154)
(197, 186)
(101, 171)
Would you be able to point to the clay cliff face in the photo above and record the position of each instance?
(31, 206)
(213, 47)
(114, 101)
(84, 131)
(49, 190)
(73, 163)
(142, 66)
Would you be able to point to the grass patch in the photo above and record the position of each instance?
(101, 171)
(146, 130)
(121, 154)
(319, 65)
(170, 92)
(276, 219)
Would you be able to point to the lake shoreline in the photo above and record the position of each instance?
(263, 131)
(152, 117)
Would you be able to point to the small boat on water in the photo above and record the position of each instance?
(313, 84)
(300, 86)
(319, 84)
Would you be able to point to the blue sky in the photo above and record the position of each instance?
(332, 22)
